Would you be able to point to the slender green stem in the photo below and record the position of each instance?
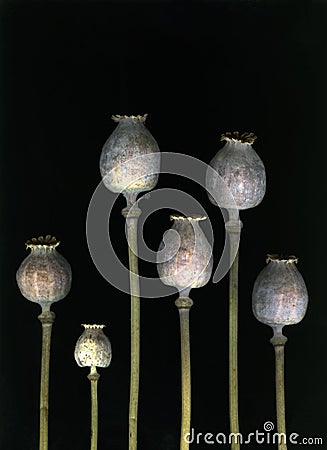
(279, 341)
(46, 318)
(234, 235)
(132, 214)
(184, 304)
(233, 347)
(94, 376)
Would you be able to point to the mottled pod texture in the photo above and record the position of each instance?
(191, 265)
(45, 275)
(242, 171)
(93, 348)
(280, 296)
(130, 158)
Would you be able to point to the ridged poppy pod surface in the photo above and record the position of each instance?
(242, 171)
(191, 266)
(45, 276)
(130, 158)
(93, 348)
(280, 296)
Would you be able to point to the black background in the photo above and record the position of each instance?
(198, 68)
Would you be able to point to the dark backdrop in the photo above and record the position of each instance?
(198, 68)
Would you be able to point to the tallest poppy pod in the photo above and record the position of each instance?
(130, 164)
(130, 158)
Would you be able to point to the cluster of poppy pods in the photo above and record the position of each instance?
(279, 295)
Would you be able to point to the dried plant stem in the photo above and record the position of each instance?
(233, 347)
(132, 214)
(94, 376)
(184, 304)
(234, 234)
(46, 318)
(279, 341)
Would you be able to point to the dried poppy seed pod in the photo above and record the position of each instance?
(241, 169)
(93, 347)
(279, 296)
(130, 159)
(191, 266)
(45, 275)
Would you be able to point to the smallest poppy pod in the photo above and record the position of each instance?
(93, 348)
(280, 296)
